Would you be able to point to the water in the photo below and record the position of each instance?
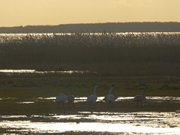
(125, 123)
(83, 99)
(80, 122)
(33, 71)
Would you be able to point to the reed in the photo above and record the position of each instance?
(105, 52)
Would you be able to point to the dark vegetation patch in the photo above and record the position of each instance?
(107, 53)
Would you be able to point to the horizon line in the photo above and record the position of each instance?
(84, 23)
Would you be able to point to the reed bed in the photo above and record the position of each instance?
(93, 39)
(106, 52)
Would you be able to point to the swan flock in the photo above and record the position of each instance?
(109, 98)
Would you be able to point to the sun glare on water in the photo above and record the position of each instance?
(87, 127)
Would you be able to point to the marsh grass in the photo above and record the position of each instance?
(28, 86)
(105, 53)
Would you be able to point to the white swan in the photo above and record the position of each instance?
(61, 98)
(92, 98)
(110, 98)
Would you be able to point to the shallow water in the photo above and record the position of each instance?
(100, 99)
(83, 99)
(124, 123)
(33, 71)
(151, 123)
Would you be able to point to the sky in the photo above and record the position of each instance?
(53, 12)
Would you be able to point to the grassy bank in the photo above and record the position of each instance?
(47, 85)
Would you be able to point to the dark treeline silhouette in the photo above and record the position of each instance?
(107, 53)
(97, 27)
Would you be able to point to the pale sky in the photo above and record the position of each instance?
(53, 12)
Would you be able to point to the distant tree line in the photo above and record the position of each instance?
(97, 27)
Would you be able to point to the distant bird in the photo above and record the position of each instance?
(110, 98)
(70, 98)
(140, 99)
(61, 98)
(92, 98)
